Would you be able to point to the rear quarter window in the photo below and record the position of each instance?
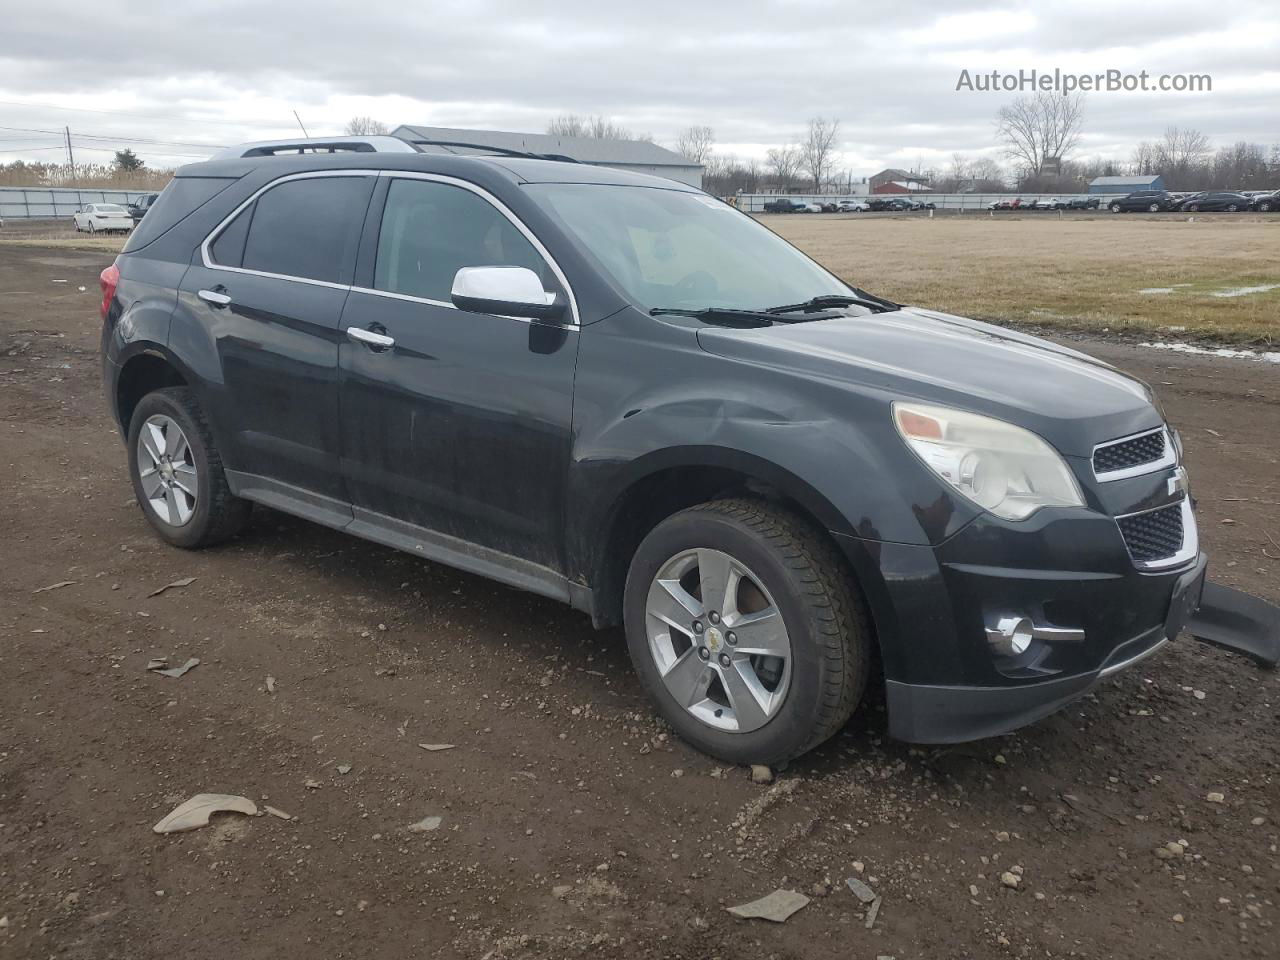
(182, 197)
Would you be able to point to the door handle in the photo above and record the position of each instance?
(214, 297)
(379, 341)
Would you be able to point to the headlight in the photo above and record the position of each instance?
(1002, 468)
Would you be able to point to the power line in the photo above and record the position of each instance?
(143, 116)
(79, 138)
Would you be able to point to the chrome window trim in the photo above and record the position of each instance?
(1189, 550)
(214, 233)
(1169, 459)
(502, 208)
(207, 259)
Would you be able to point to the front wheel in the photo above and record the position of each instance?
(745, 630)
(1115, 208)
(1232, 208)
(1154, 208)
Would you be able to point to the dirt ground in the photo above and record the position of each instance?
(572, 824)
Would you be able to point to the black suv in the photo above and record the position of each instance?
(138, 209)
(619, 392)
(1152, 201)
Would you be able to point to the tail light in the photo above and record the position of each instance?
(109, 279)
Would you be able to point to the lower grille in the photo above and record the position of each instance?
(1154, 535)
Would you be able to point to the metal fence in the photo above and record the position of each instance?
(31, 203)
(754, 202)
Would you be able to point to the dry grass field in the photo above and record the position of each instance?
(1069, 273)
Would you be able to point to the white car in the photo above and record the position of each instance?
(97, 217)
(852, 206)
(808, 207)
(1052, 203)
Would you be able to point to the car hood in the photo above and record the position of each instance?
(1071, 399)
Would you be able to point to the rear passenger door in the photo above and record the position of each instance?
(268, 287)
(460, 431)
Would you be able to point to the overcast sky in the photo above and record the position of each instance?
(220, 72)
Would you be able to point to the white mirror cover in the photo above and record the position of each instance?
(503, 284)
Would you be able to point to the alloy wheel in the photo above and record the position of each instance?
(718, 640)
(167, 470)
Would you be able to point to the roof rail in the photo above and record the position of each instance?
(275, 148)
(490, 148)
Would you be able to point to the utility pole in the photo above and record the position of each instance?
(71, 157)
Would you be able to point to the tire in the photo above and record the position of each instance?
(825, 631)
(1232, 208)
(1115, 208)
(1154, 208)
(217, 514)
(1194, 208)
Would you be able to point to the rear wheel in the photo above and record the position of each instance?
(1154, 208)
(1115, 208)
(745, 630)
(1232, 208)
(177, 473)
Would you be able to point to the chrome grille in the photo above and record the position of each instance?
(1130, 452)
(1154, 535)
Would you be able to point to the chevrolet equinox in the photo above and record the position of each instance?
(620, 392)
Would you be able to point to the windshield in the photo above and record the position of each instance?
(669, 248)
(109, 208)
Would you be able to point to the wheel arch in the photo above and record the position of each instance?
(666, 482)
(145, 369)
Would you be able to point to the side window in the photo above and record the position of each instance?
(432, 230)
(302, 228)
(228, 249)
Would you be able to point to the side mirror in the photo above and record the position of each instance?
(505, 292)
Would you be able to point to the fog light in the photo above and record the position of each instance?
(1011, 636)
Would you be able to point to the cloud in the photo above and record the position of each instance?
(221, 72)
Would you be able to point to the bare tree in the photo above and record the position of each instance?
(816, 152)
(784, 163)
(696, 143)
(364, 127)
(985, 170)
(1038, 127)
(1143, 160)
(596, 128)
(1181, 148)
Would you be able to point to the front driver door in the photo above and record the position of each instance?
(458, 435)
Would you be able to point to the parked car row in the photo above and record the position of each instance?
(1162, 201)
(846, 205)
(1044, 203)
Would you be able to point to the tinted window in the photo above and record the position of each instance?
(432, 230)
(178, 200)
(228, 249)
(308, 228)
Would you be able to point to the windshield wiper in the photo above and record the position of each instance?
(726, 316)
(831, 300)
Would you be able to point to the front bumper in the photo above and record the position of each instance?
(928, 713)
(932, 607)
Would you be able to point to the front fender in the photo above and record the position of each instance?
(829, 447)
